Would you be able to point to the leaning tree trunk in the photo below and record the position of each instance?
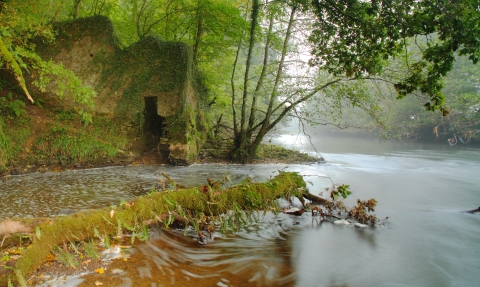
(190, 206)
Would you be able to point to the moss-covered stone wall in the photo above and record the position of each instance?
(123, 76)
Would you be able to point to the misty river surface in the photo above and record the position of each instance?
(427, 240)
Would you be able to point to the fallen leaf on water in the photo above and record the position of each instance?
(100, 270)
(98, 283)
(50, 257)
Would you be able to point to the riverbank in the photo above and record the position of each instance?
(34, 139)
(268, 153)
(29, 161)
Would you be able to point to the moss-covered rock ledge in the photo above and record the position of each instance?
(266, 153)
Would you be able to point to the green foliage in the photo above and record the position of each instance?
(9, 60)
(355, 38)
(340, 190)
(91, 250)
(13, 134)
(11, 107)
(65, 257)
(407, 121)
(141, 233)
(22, 21)
(21, 280)
(60, 145)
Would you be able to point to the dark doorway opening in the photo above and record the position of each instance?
(153, 126)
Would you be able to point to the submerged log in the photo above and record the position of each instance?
(474, 210)
(189, 206)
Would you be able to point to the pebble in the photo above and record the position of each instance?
(117, 271)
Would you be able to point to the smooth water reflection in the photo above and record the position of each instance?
(428, 241)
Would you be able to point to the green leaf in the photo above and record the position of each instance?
(38, 233)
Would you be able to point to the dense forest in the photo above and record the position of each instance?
(262, 63)
(89, 82)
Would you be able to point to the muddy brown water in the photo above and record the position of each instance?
(427, 241)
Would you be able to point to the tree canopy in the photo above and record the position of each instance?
(252, 53)
(357, 37)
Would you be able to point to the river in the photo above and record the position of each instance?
(427, 240)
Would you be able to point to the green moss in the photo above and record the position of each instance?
(276, 153)
(149, 68)
(100, 27)
(265, 153)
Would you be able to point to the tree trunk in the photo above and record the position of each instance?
(241, 136)
(261, 78)
(190, 206)
(198, 35)
(246, 142)
(265, 127)
(76, 8)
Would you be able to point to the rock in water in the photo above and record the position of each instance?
(341, 221)
(294, 211)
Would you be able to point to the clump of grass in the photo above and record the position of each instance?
(69, 140)
(61, 145)
(5, 147)
(91, 250)
(14, 131)
(65, 257)
(21, 280)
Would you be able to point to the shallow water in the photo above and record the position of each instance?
(427, 240)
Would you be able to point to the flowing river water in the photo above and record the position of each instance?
(427, 240)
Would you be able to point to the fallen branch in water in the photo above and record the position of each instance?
(204, 208)
(194, 206)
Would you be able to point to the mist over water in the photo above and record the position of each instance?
(423, 189)
(427, 241)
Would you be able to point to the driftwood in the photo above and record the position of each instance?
(473, 210)
(187, 206)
